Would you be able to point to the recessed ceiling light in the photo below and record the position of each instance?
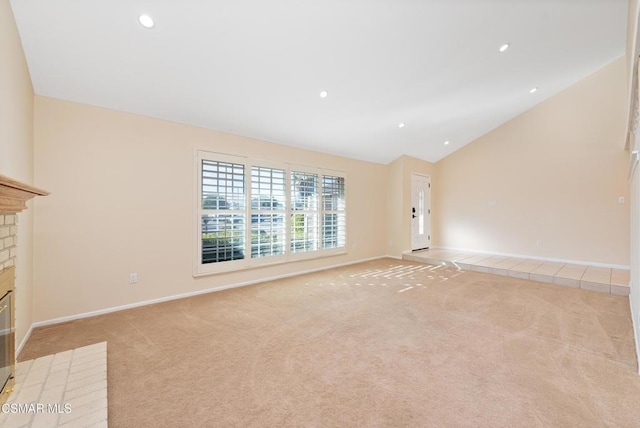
(401, 125)
(324, 94)
(446, 143)
(504, 47)
(146, 21)
(533, 90)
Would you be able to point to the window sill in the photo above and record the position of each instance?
(251, 264)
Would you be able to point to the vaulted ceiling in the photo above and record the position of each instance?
(401, 76)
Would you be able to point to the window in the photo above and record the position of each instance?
(268, 203)
(333, 215)
(253, 212)
(223, 216)
(304, 212)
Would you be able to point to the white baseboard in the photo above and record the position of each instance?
(393, 257)
(24, 341)
(191, 294)
(524, 256)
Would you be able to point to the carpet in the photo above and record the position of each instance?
(377, 344)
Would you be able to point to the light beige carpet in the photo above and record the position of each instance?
(385, 343)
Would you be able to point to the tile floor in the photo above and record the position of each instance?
(604, 280)
(68, 389)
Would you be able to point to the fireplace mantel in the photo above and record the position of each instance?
(14, 194)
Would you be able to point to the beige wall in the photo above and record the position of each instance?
(16, 153)
(552, 174)
(396, 208)
(122, 189)
(399, 196)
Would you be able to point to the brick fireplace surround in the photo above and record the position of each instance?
(13, 198)
(8, 240)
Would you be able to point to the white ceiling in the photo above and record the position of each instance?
(256, 67)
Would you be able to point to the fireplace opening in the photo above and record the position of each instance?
(5, 339)
(7, 333)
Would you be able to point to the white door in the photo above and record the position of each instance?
(420, 212)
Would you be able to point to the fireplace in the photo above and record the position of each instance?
(13, 197)
(7, 333)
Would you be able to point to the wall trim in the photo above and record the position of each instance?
(524, 256)
(185, 295)
(24, 341)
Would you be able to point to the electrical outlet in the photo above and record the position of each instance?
(538, 243)
(133, 278)
(621, 200)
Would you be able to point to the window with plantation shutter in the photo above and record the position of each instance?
(333, 212)
(304, 212)
(252, 212)
(268, 203)
(223, 212)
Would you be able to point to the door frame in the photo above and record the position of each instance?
(415, 244)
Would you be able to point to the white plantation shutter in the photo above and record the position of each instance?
(268, 204)
(252, 212)
(304, 212)
(223, 212)
(333, 212)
